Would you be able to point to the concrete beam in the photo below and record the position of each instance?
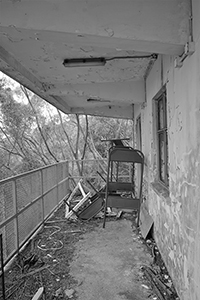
(152, 25)
(77, 41)
(122, 112)
(116, 92)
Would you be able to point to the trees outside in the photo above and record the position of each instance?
(33, 133)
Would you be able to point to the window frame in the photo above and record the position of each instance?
(162, 168)
(138, 130)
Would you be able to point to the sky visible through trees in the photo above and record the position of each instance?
(33, 133)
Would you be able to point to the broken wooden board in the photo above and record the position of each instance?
(75, 208)
(146, 221)
(77, 187)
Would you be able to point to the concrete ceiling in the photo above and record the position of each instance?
(37, 35)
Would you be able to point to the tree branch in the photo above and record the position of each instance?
(38, 124)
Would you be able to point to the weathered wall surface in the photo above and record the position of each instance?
(176, 213)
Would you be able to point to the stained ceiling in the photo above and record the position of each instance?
(36, 36)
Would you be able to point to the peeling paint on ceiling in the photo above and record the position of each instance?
(36, 37)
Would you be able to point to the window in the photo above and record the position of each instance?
(138, 133)
(162, 139)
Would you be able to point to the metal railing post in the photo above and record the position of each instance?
(16, 213)
(67, 174)
(42, 190)
(57, 193)
(2, 268)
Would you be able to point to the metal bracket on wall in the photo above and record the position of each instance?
(188, 51)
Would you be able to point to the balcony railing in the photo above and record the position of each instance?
(28, 199)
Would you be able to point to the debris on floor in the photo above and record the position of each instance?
(39, 294)
(86, 207)
(42, 269)
(45, 261)
(157, 274)
(90, 205)
(73, 212)
(69, 293)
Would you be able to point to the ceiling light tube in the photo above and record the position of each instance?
(84, 62)
(97, 100)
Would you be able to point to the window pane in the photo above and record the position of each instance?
(161, 145)
(167, 169)
(161, 114)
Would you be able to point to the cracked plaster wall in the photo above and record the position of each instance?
(176, 213)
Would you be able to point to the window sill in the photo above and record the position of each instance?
(160, 189)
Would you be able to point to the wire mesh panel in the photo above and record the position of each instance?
(7, 209)
(63, 189)
(28, 188)
(6, 200)
(28, 220)
(63, 184)
(3, 232)
(50, 201)
(49, 177)
(26, 199)
(10, 238)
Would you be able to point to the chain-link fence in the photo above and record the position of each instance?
(26, 201)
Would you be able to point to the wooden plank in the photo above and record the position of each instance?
(70, 197)
(81, 189)
(146, 221)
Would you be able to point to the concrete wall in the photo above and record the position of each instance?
(176, 212)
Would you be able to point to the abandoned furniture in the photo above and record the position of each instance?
(120, 142)
(124, 193)
(88, 206)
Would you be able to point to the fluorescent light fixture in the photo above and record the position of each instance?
(84, 62)
(99, 61)
(97, 100)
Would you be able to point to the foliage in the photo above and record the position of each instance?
(33, 133)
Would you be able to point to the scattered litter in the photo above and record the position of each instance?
(148, 241)
(158, 285)
(169, 284)
(58, 245)
(58, 292)
(69, 293)
(119, 214)
(51, 243)
(73, 231)
(145, 286)
(111, 214)
(33, 272)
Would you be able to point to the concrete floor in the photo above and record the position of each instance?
(107, 264)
